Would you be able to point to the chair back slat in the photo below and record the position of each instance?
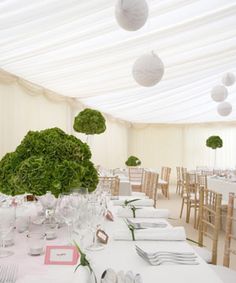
(110, 183)
(209, 218)
(229, 234)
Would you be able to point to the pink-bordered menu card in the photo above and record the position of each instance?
(61, 255)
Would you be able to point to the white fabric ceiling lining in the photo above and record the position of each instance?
(195, 39)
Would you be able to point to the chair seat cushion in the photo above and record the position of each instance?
(227, 275)
(204, 253)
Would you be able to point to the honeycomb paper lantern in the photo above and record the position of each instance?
(219, 93)
(228, 79)
(148, 70)
(131, 15)
(224, 108)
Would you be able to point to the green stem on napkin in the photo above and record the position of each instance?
(133, 208)
(131, 228)
(84, 262)
(126, 202)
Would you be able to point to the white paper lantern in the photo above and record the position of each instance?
(131, 15)
(148, 70)
(219, 93)
(228, 79)
(224, 108)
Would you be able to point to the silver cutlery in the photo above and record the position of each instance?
(160, 261)
(145, 225)
(167, 253)
(8, 273)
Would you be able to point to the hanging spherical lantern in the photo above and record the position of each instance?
(224, 108)
(148, 69)
(228, 79)
(131, 15)
(219, 93)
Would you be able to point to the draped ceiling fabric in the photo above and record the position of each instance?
(75, 48)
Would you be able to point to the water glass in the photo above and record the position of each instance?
(36, 243)
(7, 223)
(51, 230)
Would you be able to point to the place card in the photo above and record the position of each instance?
(102, 236)
(109, 216)
(61, 255)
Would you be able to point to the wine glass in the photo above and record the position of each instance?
(48, 201)
(96, 215)
(67, 211)
(7, 220)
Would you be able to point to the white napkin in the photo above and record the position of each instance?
(139, 195)
(161, 234)
(145, 212)
(141, 202)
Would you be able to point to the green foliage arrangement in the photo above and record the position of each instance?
(214, 142)
(133, 161)
(48, 160)
(90, 122)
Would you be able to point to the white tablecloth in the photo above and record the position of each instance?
(222, 186)
(118, 255)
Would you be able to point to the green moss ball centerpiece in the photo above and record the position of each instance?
(214, 142)
(48, 160)
(133, 161)
(90, 122)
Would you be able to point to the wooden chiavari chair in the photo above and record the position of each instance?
(165, 176)
(190, 197)
(230, 227)
(224, 272)
(209, 219)
(145, 182)
(110, 183)
(153, 186)
(202, 181)
(183, 177)
(179, 180)
(136, 178)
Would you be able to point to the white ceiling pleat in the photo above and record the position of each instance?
(77, 49)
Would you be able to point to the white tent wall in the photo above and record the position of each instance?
(158, 146)
(23, 108)
(21, 111)
(197, 154)
(183, 145)
(110, 148)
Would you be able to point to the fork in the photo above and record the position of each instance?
(145, 225)
(167, 253)
(166, 260)
(8, 273)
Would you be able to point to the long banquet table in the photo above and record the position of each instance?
(118, 255)
(223, 186)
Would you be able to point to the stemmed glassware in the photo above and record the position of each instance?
(48, 201)
(66, 211)
(96, 211)
(7, 221)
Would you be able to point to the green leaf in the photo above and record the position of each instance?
(127, 202)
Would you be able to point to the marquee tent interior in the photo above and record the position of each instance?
(58, 57)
